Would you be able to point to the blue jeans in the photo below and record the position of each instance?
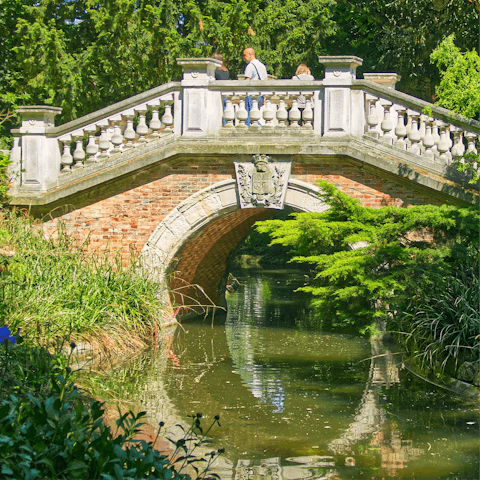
(249, 105)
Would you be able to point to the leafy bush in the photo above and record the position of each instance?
(49, 429)
(369, 262)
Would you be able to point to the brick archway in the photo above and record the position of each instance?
(191, 245)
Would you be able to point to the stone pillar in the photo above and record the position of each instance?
(202, 108)
(38, 160)
(385, 79)
(341, 107)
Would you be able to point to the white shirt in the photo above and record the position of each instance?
(258, 73)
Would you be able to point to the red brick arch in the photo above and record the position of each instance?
(124, 214)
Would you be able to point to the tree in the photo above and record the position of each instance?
(459, 87)
(398, 247)
(400, 36)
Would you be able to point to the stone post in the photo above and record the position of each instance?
(202, 108)
(36, 160)
(343, 111)
(388, 80)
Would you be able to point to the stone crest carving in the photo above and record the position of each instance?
(262, 183)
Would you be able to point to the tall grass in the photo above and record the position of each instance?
(443, 322)
(53, 289)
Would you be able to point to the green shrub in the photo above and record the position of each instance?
(50, 430)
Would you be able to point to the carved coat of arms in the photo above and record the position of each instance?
(262, 183)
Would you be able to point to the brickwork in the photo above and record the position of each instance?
(204, 260)
(128, 210)
(370, 188)
(122, 215)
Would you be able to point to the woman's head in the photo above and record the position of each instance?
(302, 69)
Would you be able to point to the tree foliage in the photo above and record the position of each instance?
(367, 262)
(82, 55)
(459, 87)
(400, 36)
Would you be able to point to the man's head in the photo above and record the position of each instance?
(249, 54)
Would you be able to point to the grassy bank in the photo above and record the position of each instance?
(52, 290)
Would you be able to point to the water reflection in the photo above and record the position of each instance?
(243, 321)
(295, 403)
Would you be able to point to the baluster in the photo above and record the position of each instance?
(281, 114)
(269, 112)
(155, 123)
(294, 114)
(372, 117)
(241, 115)
(422, 127)
(428, 140)
(103, 143)
(229, 113)
(409, 123)
(142, 128)
(471, 137)
(458, 148)
(471, 147)
(387, 125)
(307, 114)
(117, 137)
(92, 148)
(255, 114)
(414, 135)
(129, 133)
(444, 143)
(401, 130)
(67, 158)
(78, 153)
(167, 118)
(436, 138)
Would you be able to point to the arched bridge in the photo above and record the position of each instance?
(169, 174)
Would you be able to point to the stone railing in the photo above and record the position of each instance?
(415, 126)
(42, 153)
(45, 157)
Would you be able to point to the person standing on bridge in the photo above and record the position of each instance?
(302, 73)
(255, 70)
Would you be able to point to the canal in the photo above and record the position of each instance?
(296, 401)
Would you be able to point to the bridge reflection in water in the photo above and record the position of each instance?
(266, 385)
(298, 403)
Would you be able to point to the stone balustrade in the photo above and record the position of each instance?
(198, 107)
(435, 139)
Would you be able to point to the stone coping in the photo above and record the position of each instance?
(403, 165)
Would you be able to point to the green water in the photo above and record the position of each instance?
(298, 403)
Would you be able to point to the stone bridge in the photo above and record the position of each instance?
(167, 175)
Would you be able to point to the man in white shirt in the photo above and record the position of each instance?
(255, 69)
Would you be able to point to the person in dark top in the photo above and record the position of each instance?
(221, 73)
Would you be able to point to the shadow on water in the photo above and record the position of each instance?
(298, 403)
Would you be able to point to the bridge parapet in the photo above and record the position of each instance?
(45, 157)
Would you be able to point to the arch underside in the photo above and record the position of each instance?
(191, 245)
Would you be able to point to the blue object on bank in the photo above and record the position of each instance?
(5, 335)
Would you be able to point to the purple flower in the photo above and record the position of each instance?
(6, 337)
